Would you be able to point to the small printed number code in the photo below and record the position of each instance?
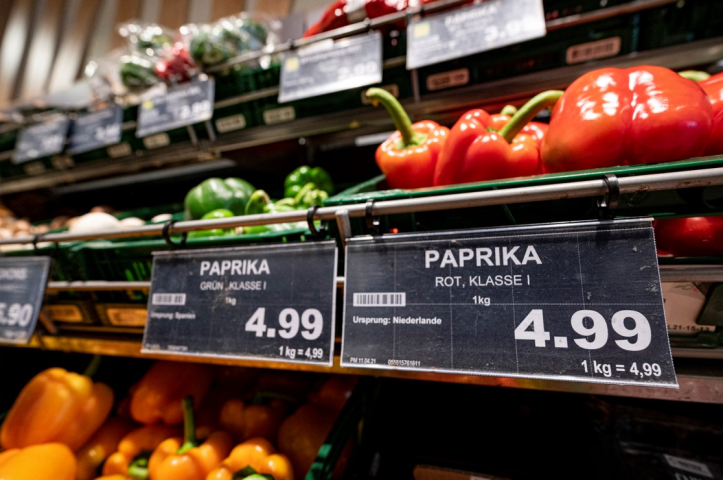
(380, 299)
(608, 47)
(169, 299)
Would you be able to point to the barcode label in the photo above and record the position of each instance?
(608, 47)
(169, 299)
(380, 299)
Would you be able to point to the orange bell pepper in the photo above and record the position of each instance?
(56, 406)
(303, 433)
(100, 446)
(48, 461)
(158, 395)
(244, 421)
(334, 393)
(185, 458)
(260, 455)
(132, 447)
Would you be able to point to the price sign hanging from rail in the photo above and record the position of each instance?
(22, 287)
(185, 104)
(474, 29)
(579, 301)
(41, 140)
(331, 66)
(96, 130)
(273, 302)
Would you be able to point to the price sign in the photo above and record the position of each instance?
(477, 28)
(273, 302)
(332, 66)
(22, 286)
(577, 301)
(180, 106)
(95, 130)
(41, 140)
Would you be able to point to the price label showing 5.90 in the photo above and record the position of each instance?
(275, 302)
(22, 286)
(579, 301)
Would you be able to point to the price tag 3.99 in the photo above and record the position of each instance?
(186, 104)
(274, 302)
(22, 287)
(474, 29)
(576, 302)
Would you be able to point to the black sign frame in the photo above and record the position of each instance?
(31, 287)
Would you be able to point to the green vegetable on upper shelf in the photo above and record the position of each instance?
(216, 232)
(303, 175)
(137, 71)
(260, 203)
(215, 193)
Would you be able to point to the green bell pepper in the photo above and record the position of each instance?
(214, 193)
(216, 232)
(137, 72)
(259, 203)
(309, 195)
(297, 179)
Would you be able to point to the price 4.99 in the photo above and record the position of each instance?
(17, 314)
(289, 323)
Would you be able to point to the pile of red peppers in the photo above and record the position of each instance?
(607, 117)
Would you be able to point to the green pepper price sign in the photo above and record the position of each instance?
(579, 301)
(274, 302)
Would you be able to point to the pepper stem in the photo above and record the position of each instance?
(509, 110)
(528, 112)
(695, 75)
(189, 427)
(92, 367)
(401, 120)
(138, 468)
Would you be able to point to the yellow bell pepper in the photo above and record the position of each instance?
(135, 443)
(56, 406)
(48, 461)
(258, 454)
(186, 458)
(100, 446)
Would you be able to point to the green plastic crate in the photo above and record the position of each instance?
(680, 22)
(683, 202)
(66, 264)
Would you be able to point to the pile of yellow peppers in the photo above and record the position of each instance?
(180, 422)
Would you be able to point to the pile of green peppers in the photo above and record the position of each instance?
(219, 198)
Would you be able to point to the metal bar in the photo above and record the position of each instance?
(586, 188)
(96, 286)
(691, 273)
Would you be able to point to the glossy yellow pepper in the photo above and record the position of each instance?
(258, 454)
(100, 446)
(47, 461)
(134, 444)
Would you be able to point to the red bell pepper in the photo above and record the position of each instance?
(176, 65)
(713, 86)
(345, 12)
(475, 151)
(408, 157)
(690, 237)
(615, 116)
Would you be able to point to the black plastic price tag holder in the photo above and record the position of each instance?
(94, 130)
(576, 301)
(22, 287)
(274, 302)
(41, 140)
(185, 104)
(473, 29)
(331, 66)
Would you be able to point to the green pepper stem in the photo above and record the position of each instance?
(138, 468)
(528, 112)
(396, 111)
(509, 110)
(695, 75)
(93, 366)
(189, 427)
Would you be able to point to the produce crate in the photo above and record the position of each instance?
(684, 202)
(122, 314)
(555, 9)
(66, 265)
(680, 22)
(573, 45)
(70, 311)
(242, 80)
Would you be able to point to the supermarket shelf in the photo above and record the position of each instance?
(697, 384)
(345, 127)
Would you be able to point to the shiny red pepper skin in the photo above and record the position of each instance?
(714, 88)
(690, 237)
(614, 116)
(473, 154)
(343, 12)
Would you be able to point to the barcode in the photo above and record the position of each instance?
(380, 299)
(169, 299)
(608, 47)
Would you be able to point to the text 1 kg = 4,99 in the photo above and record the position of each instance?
(580, 301)
(273, 302)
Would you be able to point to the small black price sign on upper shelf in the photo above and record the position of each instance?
(469, 30)
(579, 301)
(22, 287)
(273, 302)
(41, 140)
(331, 66)
(182, 105)
(95, 130)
